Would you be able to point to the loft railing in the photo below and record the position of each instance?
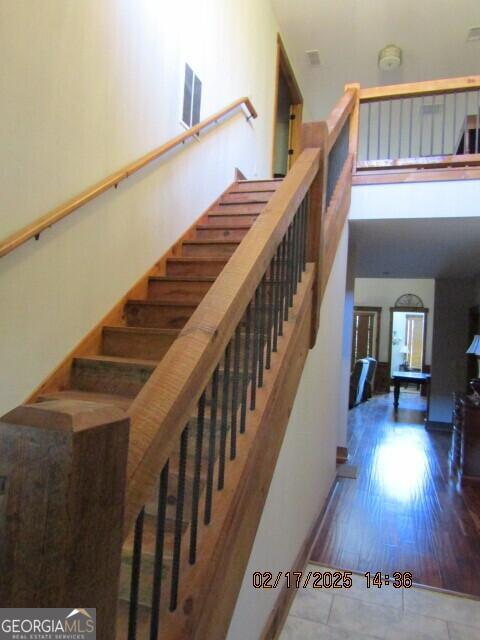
(212, 414)
(47, 220)
(421, 125)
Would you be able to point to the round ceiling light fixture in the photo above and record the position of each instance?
(390, 57)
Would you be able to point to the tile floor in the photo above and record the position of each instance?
(373, 614)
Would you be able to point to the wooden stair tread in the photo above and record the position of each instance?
(161, 302)
(122, 402)
(194, 259)
(183, 278)
(224, 225)
(204, 241)
(141, 362)
(153, 331)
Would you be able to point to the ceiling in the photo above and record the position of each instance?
(350, 33)
(416, 248)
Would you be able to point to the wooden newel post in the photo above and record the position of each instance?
(62, 489)
(315, 134)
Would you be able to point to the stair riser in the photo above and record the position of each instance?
(221, 234)
(208, 250)
(143, 346)
(238, 208)
(179, 268)
(158, 316)
(256, 186)
(182, 291)
(107, 377)
(246, 198)
(234, 218)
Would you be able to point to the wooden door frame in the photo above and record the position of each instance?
(284, 67)
(378, 311)
(423, 310)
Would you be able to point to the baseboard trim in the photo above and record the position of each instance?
(435, 425)
(342, 455)
(279, 613)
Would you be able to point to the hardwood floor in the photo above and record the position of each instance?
(404, 512)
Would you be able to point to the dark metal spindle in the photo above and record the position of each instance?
(196, 478)
(159, 552)
(410, 129)
(262, 336)
(400, 127)
(224, 418)
(432, 130)
(276, 297)
(291, 270)
(465, 135)
(304, 231)
(295, 253)
(211, 447)
(422, 104)
(389, 126)
(298, 261)
(368, 130)
(246, 367)
(235, 385)
(283, 285)
(256, 326)
(454, 148)
(271, 311)
(443, 123)
(135, 576)
(379, 127)
(177, 536)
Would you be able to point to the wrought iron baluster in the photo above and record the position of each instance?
(262, 336)
(400, 129)
(235, 387)
(271, 310)
(410, 130)
(159, 552)
(283, 285)
(224, 418)
(177, 536)
(432, 126)
(211, 447)
(135, 575)
(246, 367)
(368, 129)
(256, 330)
(196, 478)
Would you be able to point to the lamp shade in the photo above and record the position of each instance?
(474, 348)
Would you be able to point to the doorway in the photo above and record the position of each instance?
(366, 333)
(287, 116)
(408, 333)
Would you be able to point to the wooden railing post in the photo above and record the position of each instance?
(315, 134)
(354, 123)
(62, 490)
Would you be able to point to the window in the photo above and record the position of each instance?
(192, 97)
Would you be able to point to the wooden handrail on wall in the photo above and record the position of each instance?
(34, 229)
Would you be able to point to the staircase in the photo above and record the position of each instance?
(160, 433)
(130, 352)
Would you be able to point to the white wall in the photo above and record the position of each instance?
(451, 199)
(383, 292)
(306, 465)
(87, 87)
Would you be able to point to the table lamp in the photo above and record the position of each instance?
(404, 351)
(474, 350)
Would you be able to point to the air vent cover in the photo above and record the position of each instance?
(313, 56)
(473, 34)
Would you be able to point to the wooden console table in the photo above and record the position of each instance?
(402, 377)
